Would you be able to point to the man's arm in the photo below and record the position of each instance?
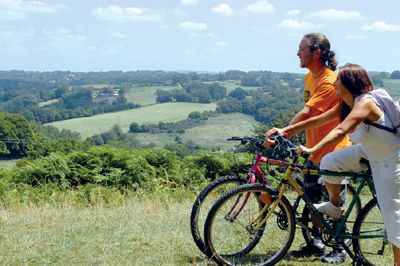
(304, 114)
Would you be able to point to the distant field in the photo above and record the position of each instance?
(166, 112)
(158, 139)
(393, 87)
(145, 95)
(48, 102)
(213, 133)
(230, 86)
(7, 164)
(219, 128)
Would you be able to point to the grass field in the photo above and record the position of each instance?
(7, 164)
(145, 95)
(154, 231)
(213, 133)
(230, 86)
(167, 112)
(218, 129)
(393, 87)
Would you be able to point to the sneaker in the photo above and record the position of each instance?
(308, 251)
(336, 256)
(329, 209)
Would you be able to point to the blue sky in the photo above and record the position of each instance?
(196, 35)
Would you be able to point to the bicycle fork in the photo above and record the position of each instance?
(254, 226)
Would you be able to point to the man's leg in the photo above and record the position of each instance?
(313, 190)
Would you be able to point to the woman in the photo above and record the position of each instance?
(380, 147)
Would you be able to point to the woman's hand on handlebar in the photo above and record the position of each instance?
(301, 150)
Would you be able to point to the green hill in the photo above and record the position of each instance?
(393, 87)
(166, 112)
(213, 133)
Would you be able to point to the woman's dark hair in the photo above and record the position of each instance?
(319, 41)
(355, 78)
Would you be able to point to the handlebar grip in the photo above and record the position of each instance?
(305, 155)
(235, 138)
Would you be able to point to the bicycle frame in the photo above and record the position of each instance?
(255, 174)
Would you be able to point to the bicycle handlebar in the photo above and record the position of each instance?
(281, 143)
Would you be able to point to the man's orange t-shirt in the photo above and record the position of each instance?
(319, 94)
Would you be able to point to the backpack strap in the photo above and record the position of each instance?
(389, 129)
(384, 109)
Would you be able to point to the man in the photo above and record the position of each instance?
(319, 96)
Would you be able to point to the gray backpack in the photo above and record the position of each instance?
(390, 108)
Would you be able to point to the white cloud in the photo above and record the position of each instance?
(189, 25)
(178, 12)
(11, 15)
(355, 37)
(15, 41)
(118, 35)
(207, 35)
(19, 9)
(223, 44)
(380, 26)
(262, 7)
(297, 25)
(188, 52)
(293, 12)
(189, 2)
(223, 9)
(336, 14)
(127, 14)
(63, 41)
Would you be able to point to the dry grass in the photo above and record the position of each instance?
(154, 231)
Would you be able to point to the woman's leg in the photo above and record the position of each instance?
(344, 160)
(334, 193)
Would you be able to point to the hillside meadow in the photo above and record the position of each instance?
(393, 87)
(141, 231)
(145, 95)
(166, 112)
(213, 133)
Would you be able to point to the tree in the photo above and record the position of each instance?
(395, 74)
(238, 93)
(16, 136)
(134, 127)
(229, 105)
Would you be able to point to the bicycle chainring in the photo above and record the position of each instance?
(326, 237)
(282, 220)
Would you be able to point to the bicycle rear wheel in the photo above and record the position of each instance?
(204, 201)
(374, 251)
(231, 239)
(306, 224)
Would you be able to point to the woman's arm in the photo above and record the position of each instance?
(364, 109)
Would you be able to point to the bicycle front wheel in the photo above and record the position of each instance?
(205, 200)
(229, 232)
(372, 245)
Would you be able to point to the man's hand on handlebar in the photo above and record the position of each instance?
(274, 131)
(268, 144)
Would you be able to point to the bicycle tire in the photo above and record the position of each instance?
(228, 240)
(306, 223)
(373, 251)
(200, 208)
